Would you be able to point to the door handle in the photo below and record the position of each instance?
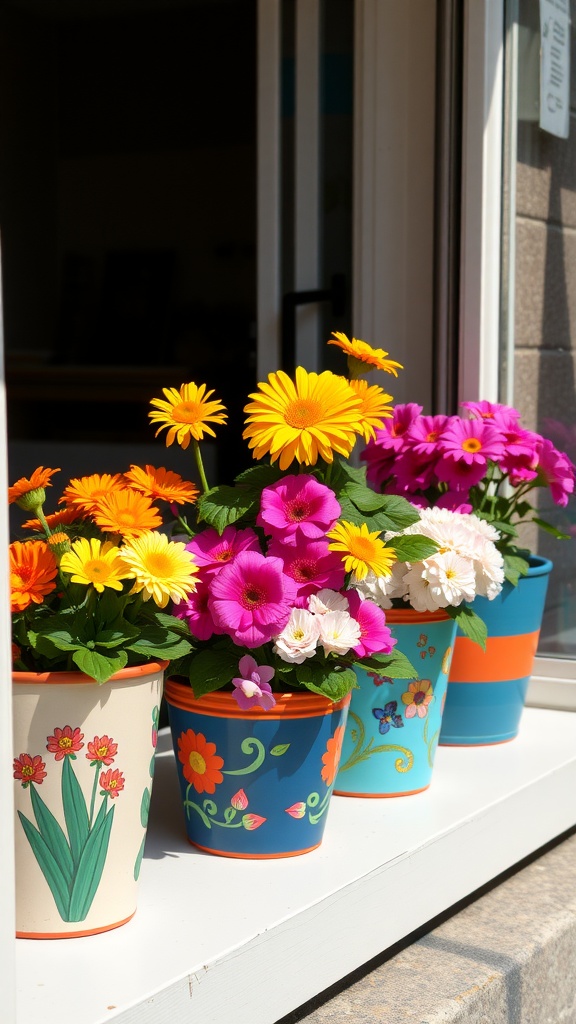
(335, 294)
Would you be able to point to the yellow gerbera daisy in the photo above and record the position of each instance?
(164, 570)
(318, 414)
(362, 357)
(162, 484)
(29, 493)
(91, 561)
(374, 407)
(126, 512)
(187, 413)
(85, 492)
(363, 550)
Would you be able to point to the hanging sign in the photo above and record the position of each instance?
(555, 67)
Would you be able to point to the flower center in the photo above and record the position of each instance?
(102, 751)
(97, 570)
(432, 436)
(159, 565)
(303, 571)
(298, 635)
(27, 771)
(297, 510)
(187, 412)
(471, 444)
(419, 697)
(65, 743)
(252, 597)
(303, 412)
(24, 574)
(362, 547)
(223, 556)
(197, 762)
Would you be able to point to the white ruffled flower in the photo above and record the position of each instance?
(452, 579)
(338, 632)
(489, 565)
(383, 589)
(299, 638)
(327, 601)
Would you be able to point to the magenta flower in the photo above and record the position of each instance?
(466, 447)
(424, 433)
(381, 454)
(298, 506)
(252, 688)
(250, 599)
(212, 551)
(197, 613)
(492, 412)
(375, 637)
(311, 566)
(556, 470)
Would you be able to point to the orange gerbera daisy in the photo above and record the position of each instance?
(32, 571)
(63, 517)
(187, 413)
(331, 757)
(200, 763)
(362, 357)
(162, 484)
(126, 512)
(25, 488)
(374, 407)
(86, 491)
(315, 415)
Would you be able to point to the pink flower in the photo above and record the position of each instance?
(466, 446)
(29, 769)
(65, 742)
(375, 637)
(298, 506)
(382, 454)
(296, 810)
(102, 750)
(556, 470)
(252, 821)
(424, 432)
(239, 801)
(112, 782)
(454, 501)
(492, 412)
(253, 688)
(212, 551)
(311, 565)
(197, 613)
(250, 599)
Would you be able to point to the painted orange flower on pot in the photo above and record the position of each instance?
(200, 763)
(331, 756)
(101, 750)
(29, 769)
(112, 782)
(65, 742)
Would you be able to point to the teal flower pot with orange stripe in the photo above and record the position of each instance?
(255, 784)
(487, 689)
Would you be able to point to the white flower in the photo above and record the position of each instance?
(299, 638)
(338, 632)
(383, 589)
(489, 566)
(327, 601)
(452, 579)
(420, 594)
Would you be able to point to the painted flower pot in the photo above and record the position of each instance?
(394, 724)
(487, 689)
(255, 783)
(83, 766)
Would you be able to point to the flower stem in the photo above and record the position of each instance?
(42, 519)
(93, 800)
(200, 467)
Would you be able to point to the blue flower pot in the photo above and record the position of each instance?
(394, 724)
(255, 783)
(487, 689)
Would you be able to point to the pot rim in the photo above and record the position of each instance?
(77, 677)
(223, 705)
(539, 566)
(414, 617)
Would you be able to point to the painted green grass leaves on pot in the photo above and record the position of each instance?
(72, 859)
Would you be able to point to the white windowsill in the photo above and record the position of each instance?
(216, 939)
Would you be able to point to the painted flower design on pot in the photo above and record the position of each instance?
(417, 698)
(200, 763)
(387, 717)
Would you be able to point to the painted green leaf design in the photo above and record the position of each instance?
(75, 811)
(48, 866)
(90, 868)
(145, 808)
(279, 749)
(138, 862)
(53, 836)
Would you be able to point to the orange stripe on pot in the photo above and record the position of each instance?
(74, 935)
(414, 617)
(382, 796)
(254, 856)
(505, 658)
(151, 668)
(219, 704)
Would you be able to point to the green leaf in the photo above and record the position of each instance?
(53, 835)
(365, 499)
(501, 526)
(470, 623)
(90, 868)
(222, 506)
(548, 528)
(210, 670)
(396, 665)
(331, 683)
(99, 666)
(49, 867)
(413, 548)
(279, 749)
(259, 476)
(514, 567)
(343, 472)
(75, 811)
